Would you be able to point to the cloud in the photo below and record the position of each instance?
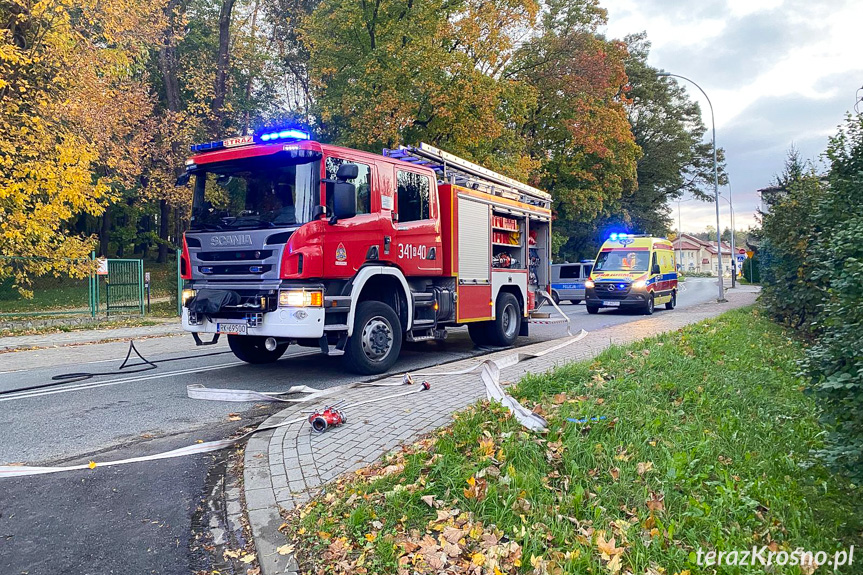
(779, 73)
(745, 47)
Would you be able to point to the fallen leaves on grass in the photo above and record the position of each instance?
(476, 488)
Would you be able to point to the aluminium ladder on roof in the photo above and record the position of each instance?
(455, 170)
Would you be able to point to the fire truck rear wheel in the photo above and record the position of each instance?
(376, 341)
(251, 349)
(503, 330)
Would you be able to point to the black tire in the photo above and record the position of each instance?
(478, 331)
(648, 309)
(671, 304)
(575, 301)
(592, 309)
(250, 348)
(555, 297)
(503, 330)
(376, 340)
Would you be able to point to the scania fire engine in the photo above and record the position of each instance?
(296, 242)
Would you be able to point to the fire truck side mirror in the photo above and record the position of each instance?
(183, 180)
(344, 200)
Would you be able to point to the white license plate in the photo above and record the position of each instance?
(611, 303)
(233, 328)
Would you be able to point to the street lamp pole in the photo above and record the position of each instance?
(715, 179)
(733, 228)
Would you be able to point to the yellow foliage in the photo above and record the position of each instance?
(72, 123)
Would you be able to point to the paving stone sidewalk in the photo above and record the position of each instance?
(287, 466)
(79, 337)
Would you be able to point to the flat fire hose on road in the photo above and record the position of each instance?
(490, 375)
(551, 321)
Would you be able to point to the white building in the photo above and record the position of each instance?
(698, 256)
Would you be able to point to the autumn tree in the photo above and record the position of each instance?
(388, 72)
(578, 127)
(676, 158)
(71, 125)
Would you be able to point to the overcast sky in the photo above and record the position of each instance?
(779, 73)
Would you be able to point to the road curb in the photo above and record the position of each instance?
(284, 468)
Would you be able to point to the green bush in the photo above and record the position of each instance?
(835, 362)
(752, 270)
(812, 271)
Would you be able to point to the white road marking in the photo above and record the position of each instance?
(12, 371)
(93, 384)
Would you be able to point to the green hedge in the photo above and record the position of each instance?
(812, 271)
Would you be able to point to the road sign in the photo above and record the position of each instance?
(147, 277)
(749, 254)
(741, 258)
(741, 251)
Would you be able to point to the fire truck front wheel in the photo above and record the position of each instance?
(376, 341)
(251, 349)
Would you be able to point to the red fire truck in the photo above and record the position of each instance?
(297, 242)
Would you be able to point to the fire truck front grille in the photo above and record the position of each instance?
(230, 256)
(235, 270)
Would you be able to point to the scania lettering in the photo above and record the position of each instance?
(294, 242)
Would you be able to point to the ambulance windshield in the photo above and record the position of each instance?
(256, 193)
(622, 260)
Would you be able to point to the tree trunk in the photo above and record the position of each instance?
(164, 215)
(168, 59)
(251, 74)
(104, 232)
(222, 59)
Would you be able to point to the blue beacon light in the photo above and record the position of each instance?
(289, 134)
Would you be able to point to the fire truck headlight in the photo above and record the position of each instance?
(187, 295)
(588, 283)
(639, 284)
(301, 298)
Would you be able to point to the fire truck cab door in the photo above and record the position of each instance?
(347, 242)
(416, 242)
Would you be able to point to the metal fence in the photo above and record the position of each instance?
(125, 287)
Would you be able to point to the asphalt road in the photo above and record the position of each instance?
(138, 518)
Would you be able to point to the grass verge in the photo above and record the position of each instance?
(704, 445)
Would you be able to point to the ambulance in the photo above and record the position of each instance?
(632, 271)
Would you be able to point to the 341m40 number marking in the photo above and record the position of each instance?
(411, 251)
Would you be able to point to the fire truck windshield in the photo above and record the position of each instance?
(255, 193)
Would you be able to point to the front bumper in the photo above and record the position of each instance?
(631, 298)
(285, 322)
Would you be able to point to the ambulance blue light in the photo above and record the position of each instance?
(613, 237)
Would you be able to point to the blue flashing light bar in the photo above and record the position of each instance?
(615, 236)
(208, 146)
(289, 134)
